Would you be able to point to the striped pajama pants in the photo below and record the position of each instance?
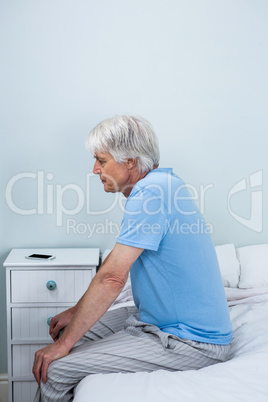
(119, 342)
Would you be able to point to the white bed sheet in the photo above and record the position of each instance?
(243, 378)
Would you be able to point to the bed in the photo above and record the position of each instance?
(242, 378)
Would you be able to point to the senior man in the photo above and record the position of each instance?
(180, 320)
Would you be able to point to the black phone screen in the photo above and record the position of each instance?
(44, 256)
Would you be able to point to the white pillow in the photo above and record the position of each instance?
(229, 265)
(254, 266)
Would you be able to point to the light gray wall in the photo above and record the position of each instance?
(196, 69)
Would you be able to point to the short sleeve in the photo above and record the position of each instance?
(145, 220)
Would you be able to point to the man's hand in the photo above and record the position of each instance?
(44, 357)
(60, 321)
(101, 293)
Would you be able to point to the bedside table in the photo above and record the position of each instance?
(36, 291)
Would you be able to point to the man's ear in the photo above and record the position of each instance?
(131, 163)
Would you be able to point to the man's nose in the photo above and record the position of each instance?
(96, 168)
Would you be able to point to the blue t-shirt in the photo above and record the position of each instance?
(176, 280)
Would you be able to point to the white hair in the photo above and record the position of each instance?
(126, 137)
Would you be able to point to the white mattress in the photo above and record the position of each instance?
(243, 378)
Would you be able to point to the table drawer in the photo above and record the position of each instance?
(31, 322)
(23, 358)
(24, 391)
(34, 286)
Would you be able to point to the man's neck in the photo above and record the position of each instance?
(134, 179)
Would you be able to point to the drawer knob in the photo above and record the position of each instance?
(51, 285)
(49, 321)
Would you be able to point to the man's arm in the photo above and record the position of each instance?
(101, 293)
(61, 320)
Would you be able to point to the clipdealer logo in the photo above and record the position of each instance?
(49, 198)
(255, 221)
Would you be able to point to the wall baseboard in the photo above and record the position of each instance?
(3, 387)
(3, 378)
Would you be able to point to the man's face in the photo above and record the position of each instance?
(114, 176)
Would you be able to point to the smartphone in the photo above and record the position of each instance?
(40, 257)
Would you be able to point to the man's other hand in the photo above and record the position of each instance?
(44, 357)
(60, 321)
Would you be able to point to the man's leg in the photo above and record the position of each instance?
(139, 347)
(110, 323)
